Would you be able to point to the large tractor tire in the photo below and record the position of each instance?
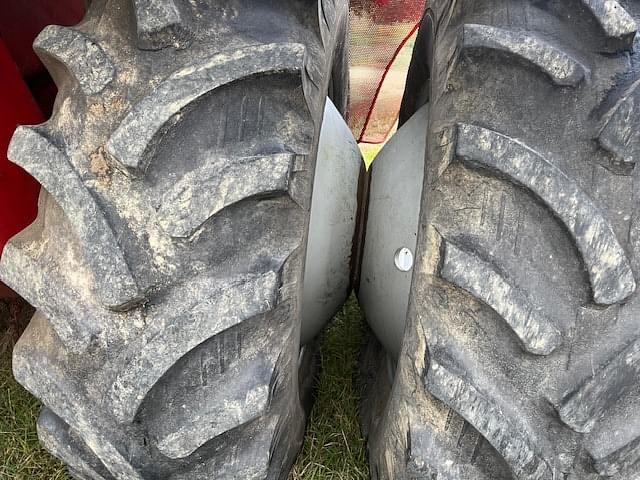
(520, 355)
(167, 259)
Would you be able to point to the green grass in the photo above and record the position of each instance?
(369, 152)
(21, 457)
(333, 447)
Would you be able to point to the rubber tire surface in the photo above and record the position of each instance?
(166, 262)
(520, 357)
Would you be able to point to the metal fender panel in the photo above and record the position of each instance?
(332, 224)
(392, 226)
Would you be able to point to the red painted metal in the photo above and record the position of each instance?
(23, 76)
(18, 191)
(20, 23)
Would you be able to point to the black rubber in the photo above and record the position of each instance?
(521, 356)
(167, 258)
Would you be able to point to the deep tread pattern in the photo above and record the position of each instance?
(32, 150)
(167, 260)
(189, 203)
(529, 204)
(561, 67)
(513, 439)
(427, 458)
(80, 55)
(251, 463)
(583, 408)
(37, 366)
(56, 436)
(162, 345)
(615, 21)
(536, 332)
(611, 276)
(619, 134)
(64, 311)
(160, 24)
(229, 408)
(619, 461)
(141, 127)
